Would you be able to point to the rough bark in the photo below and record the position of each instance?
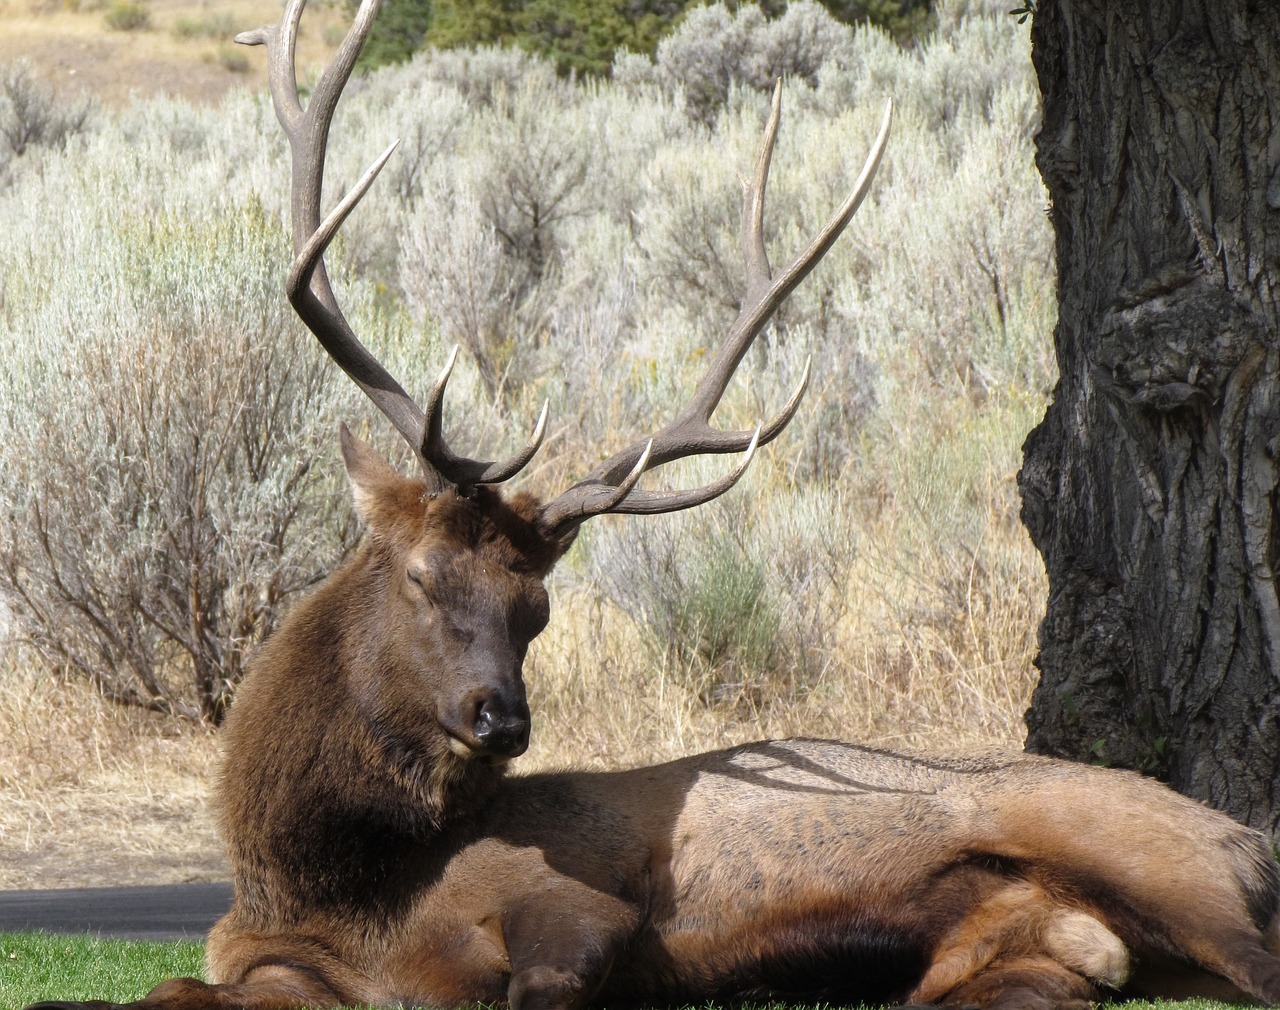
(1150, 488)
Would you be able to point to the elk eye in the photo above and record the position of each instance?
(462, 636)
(418, 574)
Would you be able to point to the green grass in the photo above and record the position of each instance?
(36, 966)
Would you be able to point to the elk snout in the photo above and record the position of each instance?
(500, 728)
(492, 723)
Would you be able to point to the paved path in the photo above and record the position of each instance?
(166, 912)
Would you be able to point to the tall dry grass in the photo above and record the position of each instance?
(93, 795)
(931, 644)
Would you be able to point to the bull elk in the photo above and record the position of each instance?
(382, 856)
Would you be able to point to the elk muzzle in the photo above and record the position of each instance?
(491, 723)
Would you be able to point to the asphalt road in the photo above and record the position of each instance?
(167, 912)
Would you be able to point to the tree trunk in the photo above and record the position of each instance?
(1150, 487)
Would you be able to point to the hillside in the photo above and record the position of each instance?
(186, 50)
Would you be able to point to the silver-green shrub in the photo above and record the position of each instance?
(167, 477)
(31, 116)
(715, 50)
(741, 602)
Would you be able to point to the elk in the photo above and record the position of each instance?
(382, 856)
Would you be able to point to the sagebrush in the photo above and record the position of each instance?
(169, 428)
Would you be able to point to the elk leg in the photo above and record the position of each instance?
(561, 974)
(269, 987)
(1033, 982)
(1263, 976)
(1231, 969)
(1017, 938)
(560, 956)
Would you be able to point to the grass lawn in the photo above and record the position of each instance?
(36, 966)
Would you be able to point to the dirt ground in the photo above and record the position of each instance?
(112, 847)
(186, 51)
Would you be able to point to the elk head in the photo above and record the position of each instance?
(459, 594)
(464, 565)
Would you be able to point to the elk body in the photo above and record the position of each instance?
(381, 855)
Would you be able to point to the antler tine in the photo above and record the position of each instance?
(764, 291)
(754, 252)
(691, 432)
(599, 499)
(458, 469)
(308, 284)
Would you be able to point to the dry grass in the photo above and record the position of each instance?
(932, 646)
(71, 47)
(93, 795)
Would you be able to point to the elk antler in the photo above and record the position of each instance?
(308, 283)
(611, 486)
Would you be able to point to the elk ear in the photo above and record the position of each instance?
(373, 479)
(565, 541)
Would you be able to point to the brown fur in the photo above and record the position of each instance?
(382, 856)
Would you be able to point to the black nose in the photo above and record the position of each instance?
(501, 728)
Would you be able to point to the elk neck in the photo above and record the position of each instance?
(337, 776)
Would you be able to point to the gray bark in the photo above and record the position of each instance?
(1150, 487)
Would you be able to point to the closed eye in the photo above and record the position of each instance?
(462, 636)
(423, 583)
